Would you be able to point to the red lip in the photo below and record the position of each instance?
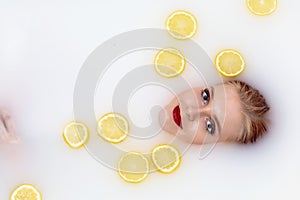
(176, 116)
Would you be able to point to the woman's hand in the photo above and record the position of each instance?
(7, 131)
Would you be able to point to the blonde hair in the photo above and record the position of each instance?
(254, 109)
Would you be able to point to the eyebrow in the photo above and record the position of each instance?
(214, 116)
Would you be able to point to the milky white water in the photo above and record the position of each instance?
(42, 48)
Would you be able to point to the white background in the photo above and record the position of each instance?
(44, 44)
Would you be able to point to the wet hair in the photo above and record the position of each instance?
(254, 108)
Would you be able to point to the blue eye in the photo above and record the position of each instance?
(205, 96)
(210, 126)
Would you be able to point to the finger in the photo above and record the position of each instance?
(8, 123)
(10, 129)
(3, 131)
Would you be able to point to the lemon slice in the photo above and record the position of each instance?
(181, 25)
(229, 63)
(133, 167)
(26, 192)
(262, 7)
(169, 63)
(113, 127)
(76, 134)
(166, 158)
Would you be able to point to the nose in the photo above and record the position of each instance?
(193, 112)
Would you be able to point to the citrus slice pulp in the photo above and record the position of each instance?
(133, 167)
(113, 127)
(26, 192)
(262, 7)
(169, 63)
(76, 134)
(229, 63)
(166, 158)
(181, 25)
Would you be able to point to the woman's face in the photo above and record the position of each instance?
(204, 114)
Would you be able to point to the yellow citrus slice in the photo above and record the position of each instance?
(169, 62)
(181, 25)
(229, 63)
(133, 167)
(262, 7)
(166, 158)
(113, 127)
(26, 192)
(76, 134)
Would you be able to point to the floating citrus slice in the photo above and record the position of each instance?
(229, 63)
(169, 63)
(133, 167)
(262, 7)
(76, 134)
(26, 192)
(166, 158)
(181, 25)
(113, 127)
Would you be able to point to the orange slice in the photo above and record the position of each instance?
(166, 158)
(76, 134)
(113, 127)
(133, 167)
(262, 7)
(181, 25)
(26, 192)
(229, 63)
(169, 63)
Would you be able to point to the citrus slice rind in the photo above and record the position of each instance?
(113, 127)
(262, 7)
(25, 192)
(166, 158)
(229, 63)
(76, 134)
(181, 25)
(133, 167)
(169, 63)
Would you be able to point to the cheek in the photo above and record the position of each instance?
(201, 133)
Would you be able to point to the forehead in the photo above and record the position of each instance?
(228, 109)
